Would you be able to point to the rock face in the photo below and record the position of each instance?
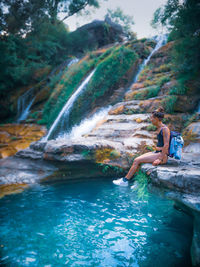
(14, 137)
(194, 145)
(102, 32)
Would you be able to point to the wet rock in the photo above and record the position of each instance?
(183, 177)
(12, 189)
(29, 154)
(192, 138)
(15, 170)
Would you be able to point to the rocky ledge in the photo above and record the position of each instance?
(180, 181)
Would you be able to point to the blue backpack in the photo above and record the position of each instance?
(175, 145)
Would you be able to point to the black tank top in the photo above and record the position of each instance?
(160, 142)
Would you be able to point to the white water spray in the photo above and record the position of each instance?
(86, 125)
(67, 107)
(24, 104)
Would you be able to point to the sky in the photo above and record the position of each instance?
(141, 10)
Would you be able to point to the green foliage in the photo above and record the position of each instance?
(144, 72)
(79, 41)
(163, 68)
(86, 153)
(114, 154)
(177, 90)
(169, 103)
(41, 122)
(119, 17)
(151, 127)
(191, 118)
(20, 17)
(34, 115)
(110, 170)
(107, 53)
(182, 19)
(68, 84)
(141, 189)
(150, 148)
(54, 80)
(152, 91)
(25, 56)
(163, 80)
(109, 73)
(16, 72)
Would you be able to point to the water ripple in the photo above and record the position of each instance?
(91, 224)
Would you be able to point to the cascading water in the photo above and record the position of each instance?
(26, 100)
(87, 125)
(66, 109)
(161, 40)
(24, 104)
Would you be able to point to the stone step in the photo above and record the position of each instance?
(123, 117)
(133, 126)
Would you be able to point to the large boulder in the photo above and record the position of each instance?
(102, 32)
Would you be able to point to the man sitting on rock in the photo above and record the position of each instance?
(159, 156)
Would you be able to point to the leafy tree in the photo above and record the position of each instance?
(119, 17)
(22, 16)
(182, 20)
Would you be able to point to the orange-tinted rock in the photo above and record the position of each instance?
(12, 189)
(4, 137)
(138, 120)
(130, 95)
(14, 137)
(137, 86)
(7, 151)
(118, 110)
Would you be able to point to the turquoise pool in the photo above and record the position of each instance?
(92, 223)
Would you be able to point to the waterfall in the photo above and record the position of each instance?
(26, 100)
(87, 124)
(24, 104)
(67, 107)
(161, 40)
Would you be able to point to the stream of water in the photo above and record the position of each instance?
(64, 113)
